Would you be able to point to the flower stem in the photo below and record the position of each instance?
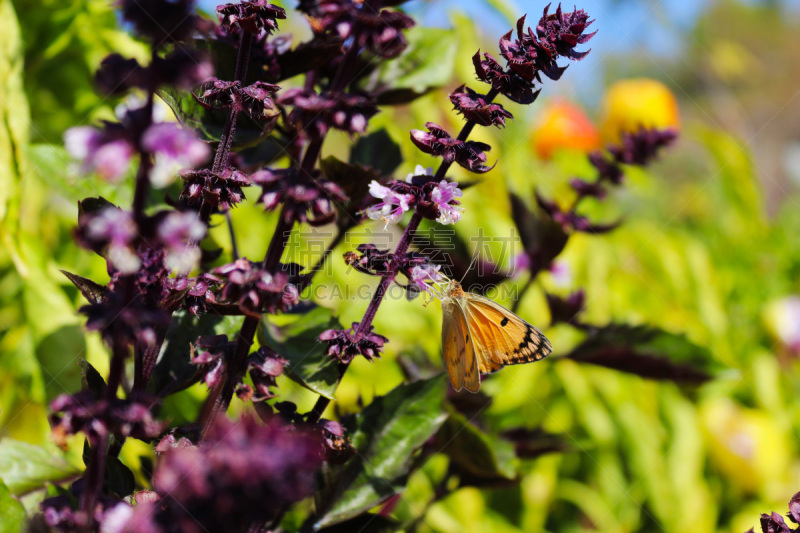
(314, 415)
(402, 247)
(228, 131)
(142, 190)
(97, 460)
(232, 233)
(93, 480)
(219, 399)
(221, 395)
(386, 280)
(120, 351)
(346, 69)
(279, 240)
(226, 139)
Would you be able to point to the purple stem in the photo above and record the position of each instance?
(228, 131)
(142, 190)
(226, 140)
(220, 397)
(97, 460)
(93, 480)
(405, 240)
(386, 280)
(96, 465)
(322, 403)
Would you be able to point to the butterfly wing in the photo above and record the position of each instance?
(457, 348)
(499, 336)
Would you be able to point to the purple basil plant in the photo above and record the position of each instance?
(775, 523)
(244, 129)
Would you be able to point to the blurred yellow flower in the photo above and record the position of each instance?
(746, 445)
(638, 102)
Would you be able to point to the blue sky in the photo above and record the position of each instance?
(620, 21)
(651, 25)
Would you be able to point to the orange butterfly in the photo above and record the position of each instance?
(480, 336)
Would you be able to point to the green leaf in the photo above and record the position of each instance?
(14, 116)
(209, 123)
(646, 351)
(478, 458)
(12, 512)
(738, 177)
(174, 367)
(427, 63)
(25, 467)
(298, 342)
(366, 523)
(59, 354)
(387, 434)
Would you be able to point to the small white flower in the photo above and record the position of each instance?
(182, 261)
(419, 171)
(80, 141)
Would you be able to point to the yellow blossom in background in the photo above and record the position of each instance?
(638, 102)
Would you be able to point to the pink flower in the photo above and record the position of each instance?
(425, 273)
(442, 195)
(562, 274)
(174, 149)
(115, 230)
(99, 151)
(180, 233)
(393, 205)
(522, 262)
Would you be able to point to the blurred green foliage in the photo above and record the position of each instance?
(697, 254)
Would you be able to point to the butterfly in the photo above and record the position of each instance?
(480, 336)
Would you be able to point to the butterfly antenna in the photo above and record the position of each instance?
(471, 264)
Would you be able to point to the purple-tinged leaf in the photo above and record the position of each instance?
(794, 508)
(645, 351)
(532, 443)
(93, 292)
(542, 238)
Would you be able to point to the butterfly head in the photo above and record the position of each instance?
(454, 289)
